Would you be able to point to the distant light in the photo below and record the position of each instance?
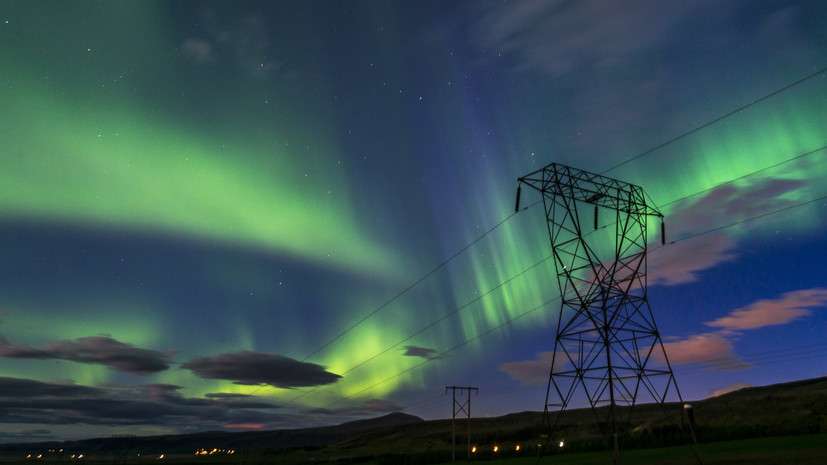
(561, 443)
(517, 448)
(474, 449)
(496, 448)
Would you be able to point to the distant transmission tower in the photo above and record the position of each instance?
(606, 334)
(460, 407)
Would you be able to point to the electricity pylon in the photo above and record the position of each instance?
(606, 340)
(460, 407)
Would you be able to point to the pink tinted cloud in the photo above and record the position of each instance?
(707, 348)
(245, 426)
(730, 203)
(530, 372)
(682, 262)
(771, 312)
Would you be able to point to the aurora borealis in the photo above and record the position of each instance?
(240, 215)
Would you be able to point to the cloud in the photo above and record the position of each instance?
(708, 348)
(26, 435)
(424, 352)
(198, 50)
(254, 368)
(241, 41)
(592, 50)
(687, 256)
(771, 312)
(368, 407)
(22, 388)
(716, 348)
(379, 405)
(31, 402)
(731, 388)
(97, 350)
(730, 203)
(225, 395)
(530, 372)
(560, 38)
(683, 262)
(169, 394)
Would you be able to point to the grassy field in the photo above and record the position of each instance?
(783, 420)
(787, 450)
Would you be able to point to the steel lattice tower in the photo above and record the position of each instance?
(606, 334)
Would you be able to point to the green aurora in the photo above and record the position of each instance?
(300, 235)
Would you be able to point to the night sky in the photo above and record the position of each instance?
(258, 215)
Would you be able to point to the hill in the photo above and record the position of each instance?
(793, 408)
(189, 443)
(783, 409)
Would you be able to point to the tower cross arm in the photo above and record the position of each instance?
(561, 180)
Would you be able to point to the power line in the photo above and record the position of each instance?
(411, 286)
(498, 224)
(384, 305)
(512, 278)
(510, 321)
(428, 326)
(716, 120)
(462, 344)
(501, 222)
(519, 274)
(776, 165)
(760, 358)
(754, 358)
(756, 217)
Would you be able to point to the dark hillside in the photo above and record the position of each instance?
(783, 409)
